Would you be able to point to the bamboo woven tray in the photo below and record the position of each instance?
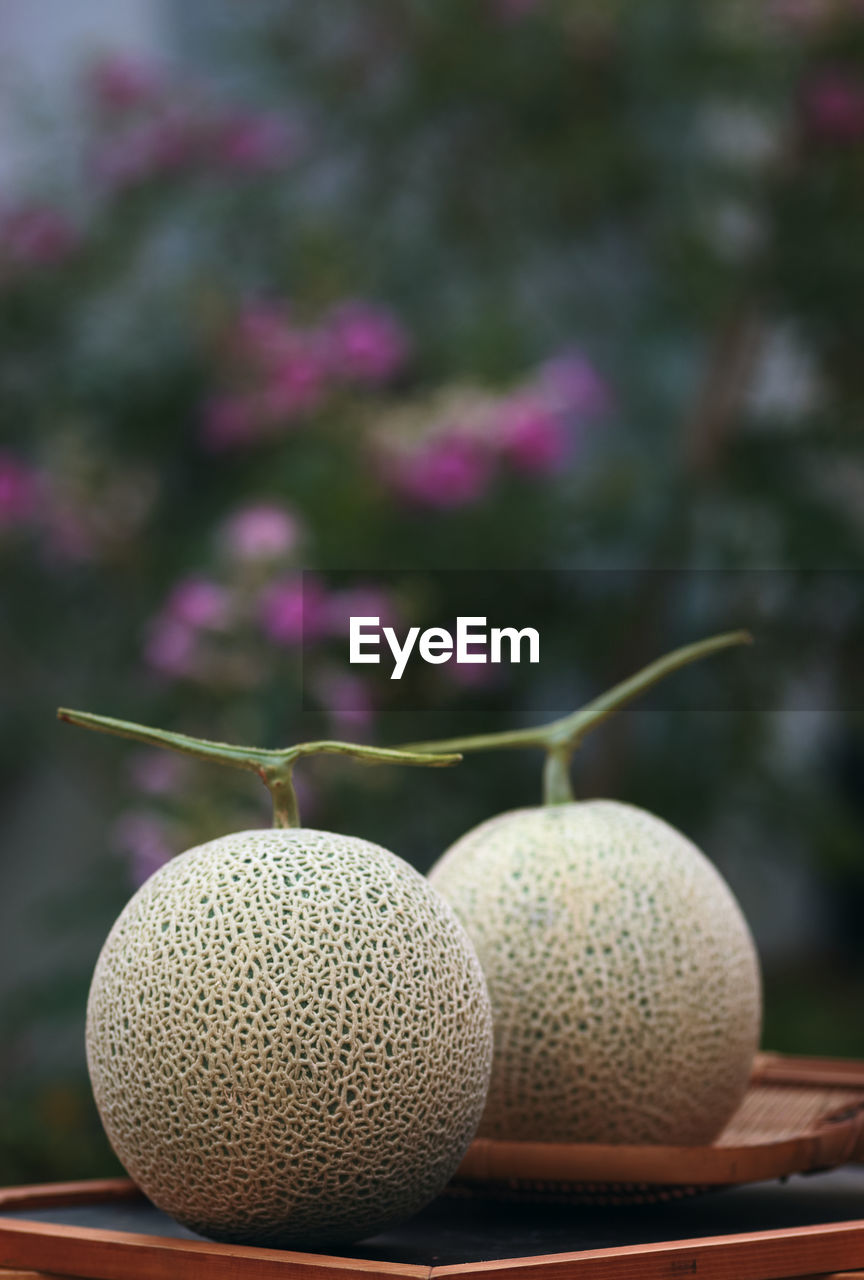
(800, 1115)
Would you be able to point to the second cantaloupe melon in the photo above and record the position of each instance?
(624, 982)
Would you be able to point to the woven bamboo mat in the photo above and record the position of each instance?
(800, 1115)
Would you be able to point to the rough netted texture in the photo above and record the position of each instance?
(624, 982)
(289, 1038)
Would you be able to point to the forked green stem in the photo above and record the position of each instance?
(560, 738)
(274, 768)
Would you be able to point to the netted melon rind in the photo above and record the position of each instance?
(289, 1038)
(625, 985)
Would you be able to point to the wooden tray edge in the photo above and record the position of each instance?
(89, 1191)
(830, 1073)
(102, 1254)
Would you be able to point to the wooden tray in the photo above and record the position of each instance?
(807, 1228)
(107, 1231)
(800, 1115)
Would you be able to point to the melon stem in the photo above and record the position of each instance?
(273, 767)
(557, 785)
(560, 738)
(280, 784)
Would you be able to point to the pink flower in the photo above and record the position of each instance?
(121, 82)
(199, 603)
(34, 236)
(573, 384)
(265, 531)
(291, 364)
(803, 14)
(251, 142)
(166, 144)
(157, 773)
(263, 331)
(285, 370)
(367, 344)
(294, 611)
(347, 701)
(449, 470)
(171, 648)
(19, 486)
(532, 435)
(472, 675)
(141, 836)
(299, 381)
(229, 421)
(834, 106)
(360, 602)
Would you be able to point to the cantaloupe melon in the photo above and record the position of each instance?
(289, 1038)
(624, 982)
(289, 1035)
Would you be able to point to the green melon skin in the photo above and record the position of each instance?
(625, 985)
(289, 1039)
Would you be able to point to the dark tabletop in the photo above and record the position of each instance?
(454, 1230)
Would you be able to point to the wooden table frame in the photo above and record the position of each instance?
(49, 1249)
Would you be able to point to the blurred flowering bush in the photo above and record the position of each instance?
(522, 285)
